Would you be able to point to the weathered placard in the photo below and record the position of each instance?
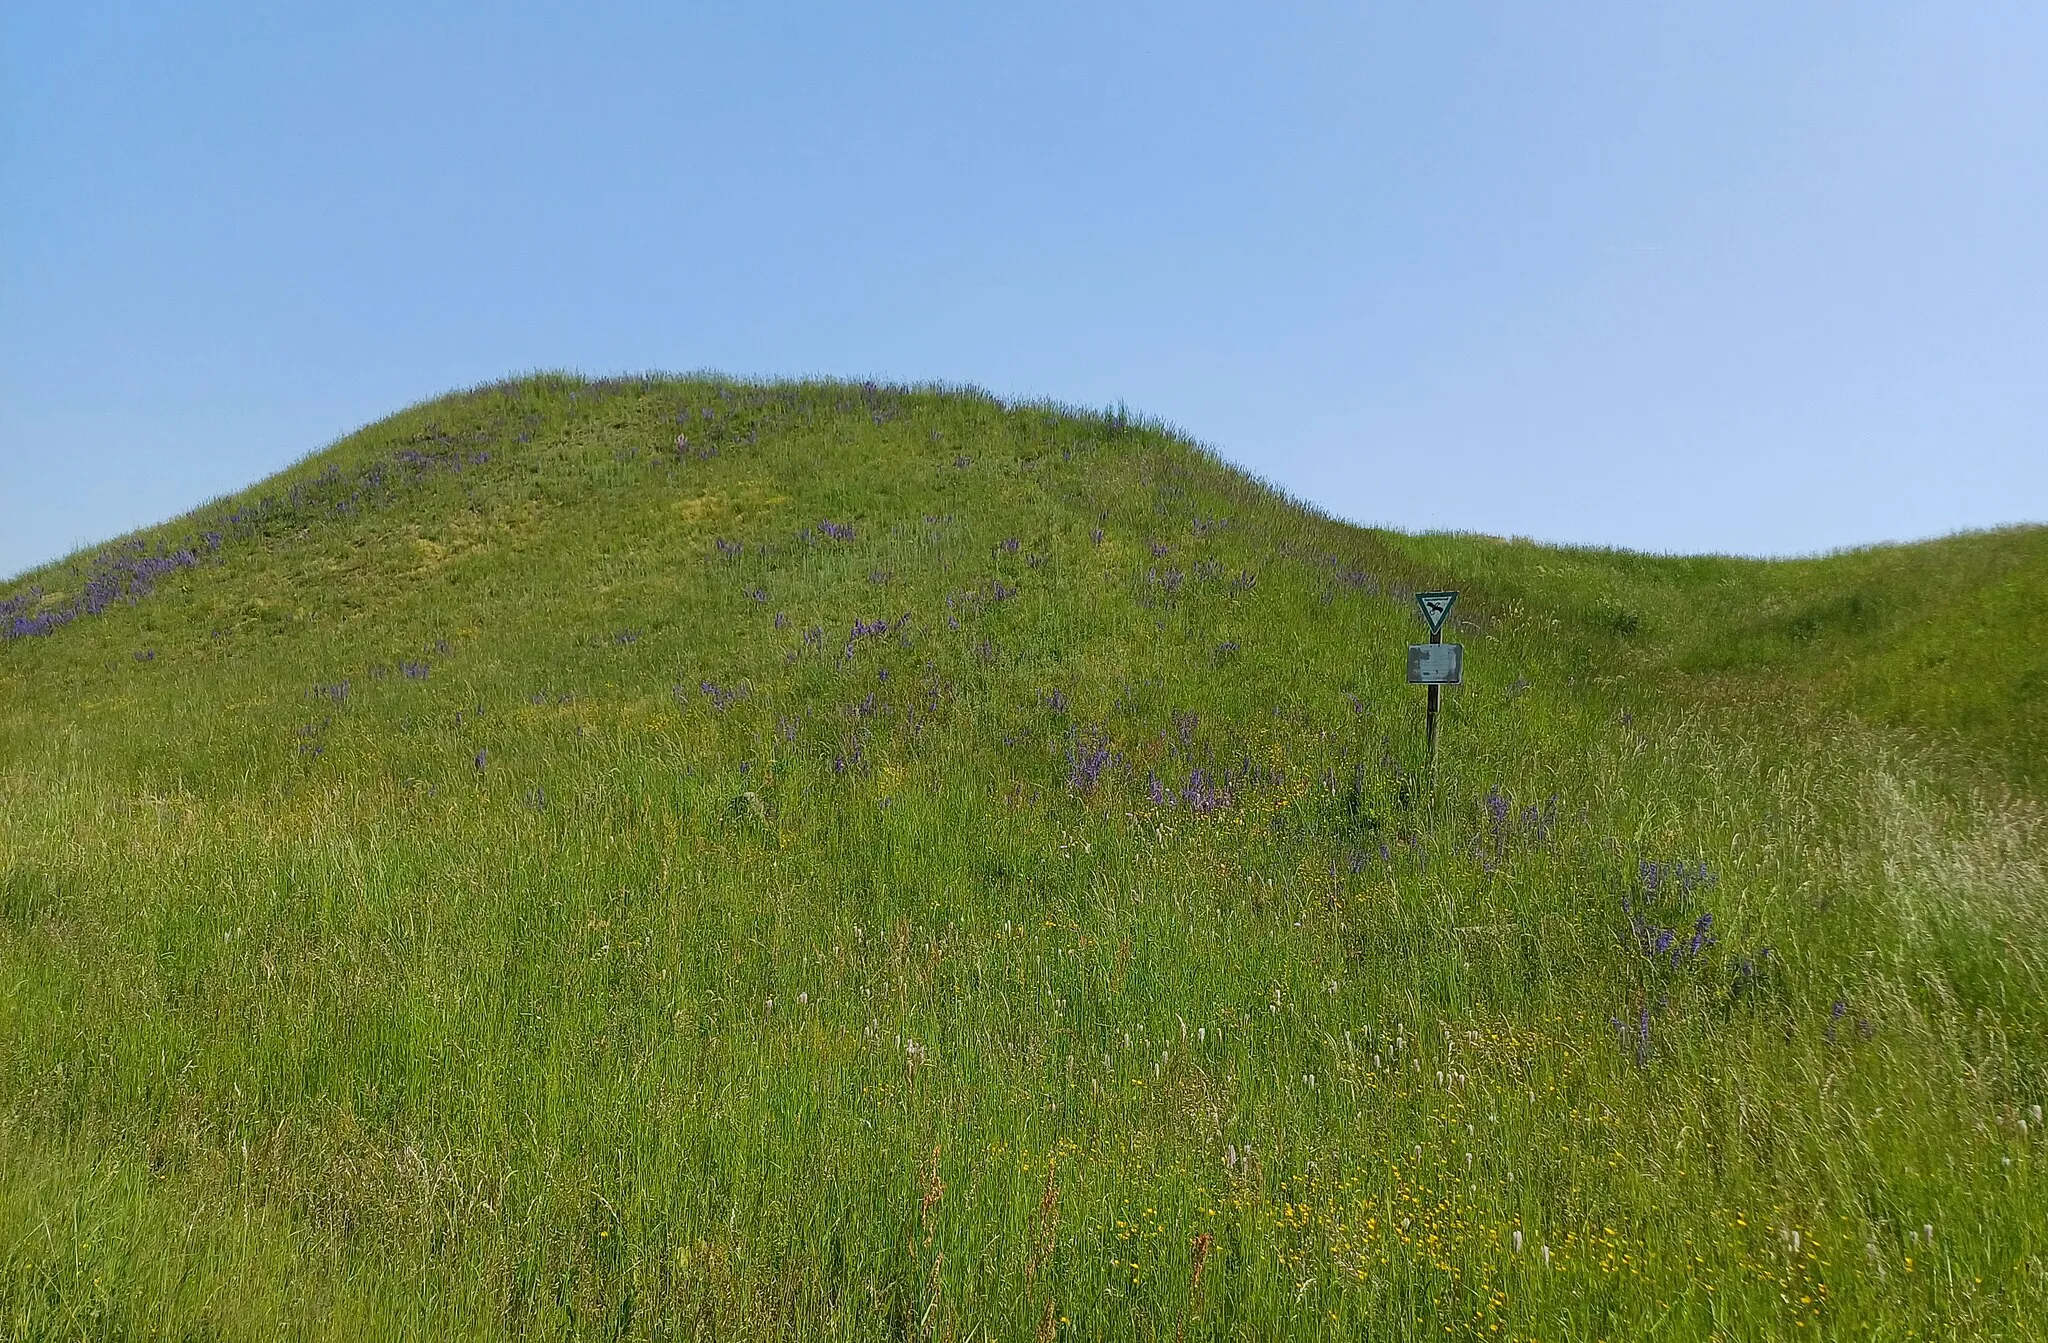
(1436, 664)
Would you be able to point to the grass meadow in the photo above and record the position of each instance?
(671, 858)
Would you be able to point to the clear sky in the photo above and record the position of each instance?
(1764, 278)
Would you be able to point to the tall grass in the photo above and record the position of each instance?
(494, 907)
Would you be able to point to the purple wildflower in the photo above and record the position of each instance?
(873, 629)
(1090, 758)
(721, 697)
(1204, 796)
(1702, 935)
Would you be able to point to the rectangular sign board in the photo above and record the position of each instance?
(1436, 664)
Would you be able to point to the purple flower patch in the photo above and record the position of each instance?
(874, 629)
(721, 697)
(1203, 796)
(116, 576)
(1664, 889)
(1090, 756)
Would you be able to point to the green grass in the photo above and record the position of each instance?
(468, 900)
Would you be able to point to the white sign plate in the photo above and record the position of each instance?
(1436, 664)
(1435, 606)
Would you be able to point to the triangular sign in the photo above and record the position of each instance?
(1435, 606)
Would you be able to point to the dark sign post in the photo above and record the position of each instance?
(1435, 664)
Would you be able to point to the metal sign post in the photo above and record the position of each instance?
(1435, 664)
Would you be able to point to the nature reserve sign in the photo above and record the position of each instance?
(1435, 664)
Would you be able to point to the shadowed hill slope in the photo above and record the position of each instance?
(664, 855)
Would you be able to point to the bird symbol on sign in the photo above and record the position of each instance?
(1435, 606)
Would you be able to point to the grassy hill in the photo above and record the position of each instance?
(666, 858)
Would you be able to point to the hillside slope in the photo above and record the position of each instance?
(1943, 642)
(666, 856)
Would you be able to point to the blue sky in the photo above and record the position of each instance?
(1759, 278)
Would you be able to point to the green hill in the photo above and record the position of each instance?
(670, 858)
